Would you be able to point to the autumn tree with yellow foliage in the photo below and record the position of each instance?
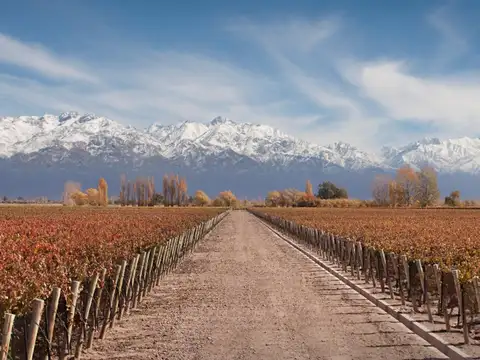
(226, 198)
(102, 192)
(273, 198)
(201, 198)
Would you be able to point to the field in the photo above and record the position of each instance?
(42, 247)
(446, 237)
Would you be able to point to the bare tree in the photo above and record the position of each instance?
(407, 182)
(427, 190)
(381, 189)
(70, 188)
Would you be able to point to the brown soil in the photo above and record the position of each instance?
(246, 294)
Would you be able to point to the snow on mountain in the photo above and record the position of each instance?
(448, 156)
(195, 143)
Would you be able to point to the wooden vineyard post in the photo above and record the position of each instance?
(398, 276)
(137, 279)
(148, 271)
(438, 281)
(118, 293)
(71, 313)
(51, 316)
(141, 284)
(407, 272)
(344, 255)
(338, 258)
(168, 252)
(358, 258)
(33, 327)
(368, 265)
(110, 303)
(332, 248)
(84, 333)
(327, 246)
(8, 322)
(319, 241)
(374, 269)
(171, 248)
(125, 290)
(156, 279)
(458, 288)
(331, 252)
(476, 288)
(446, 316)
(424, 285)
(131, 288)
(385, 274)
(99, 292)
(353, 255)
(162, 263)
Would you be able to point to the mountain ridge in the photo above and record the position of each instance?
(72, 144)
(262, 143)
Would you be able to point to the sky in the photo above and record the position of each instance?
(369, 73)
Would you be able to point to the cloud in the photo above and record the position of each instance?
(449, 103)
(153, 86)
(452, 44)
(39, 59)
(309, 87)
(302, 51)
(303, 34)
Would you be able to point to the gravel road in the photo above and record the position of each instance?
(246, 294)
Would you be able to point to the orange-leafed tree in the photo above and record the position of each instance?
(273, 198)
(395, 193)
(182, 191)
(79, 198)
(151, 190)
(201, 198)
(93, 196)
(427, 192)
(407, 181)
(123, 190)
(172, 189)
(309, 189)
(128, 193)
(102, 192)
(228, 198)
(166, 190)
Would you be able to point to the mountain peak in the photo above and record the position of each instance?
(196, 142)
(68, 115)
(220, 120)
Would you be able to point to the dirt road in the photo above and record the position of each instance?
(246, 294)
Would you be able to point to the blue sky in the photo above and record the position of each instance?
(367, 72)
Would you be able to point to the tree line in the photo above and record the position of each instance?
(142, 192)
(73, 195)
(294, 197)
(406, 188)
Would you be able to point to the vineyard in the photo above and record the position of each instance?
(444, 237)
(428, 258)
(79, 251)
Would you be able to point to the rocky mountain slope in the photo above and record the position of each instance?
(249, 158)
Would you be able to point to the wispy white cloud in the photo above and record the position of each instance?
(37, 58)
(312, 90)
(452, 44)
(449, 103)
(303, 53)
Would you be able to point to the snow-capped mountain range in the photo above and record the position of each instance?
(193, 141)
(72, 141)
